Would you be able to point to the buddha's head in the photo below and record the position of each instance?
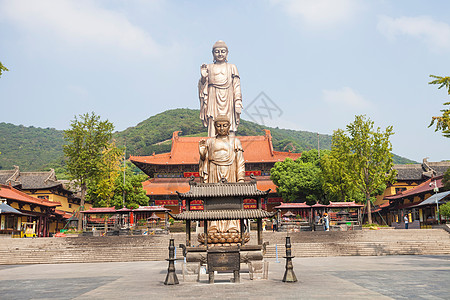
(220, 52)
(222, 125)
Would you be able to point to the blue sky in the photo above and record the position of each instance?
(320, 61)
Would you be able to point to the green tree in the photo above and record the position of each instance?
(300, 179)
(446, 180)
(336, 185)
(86, 140)
(442, 122)
(366, 157)
(2, 69)
(444, 209)
(135, 194)
(101, 189)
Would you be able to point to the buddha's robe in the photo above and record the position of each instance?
(222, 158)
(220, 94)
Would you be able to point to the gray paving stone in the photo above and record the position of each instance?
(368, 277)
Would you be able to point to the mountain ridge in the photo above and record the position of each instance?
(38, 149)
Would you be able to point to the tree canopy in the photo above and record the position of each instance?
(364, 156)
(87, 141)
(114, 194)
(2, 69)
(300, 179)
(442, 123)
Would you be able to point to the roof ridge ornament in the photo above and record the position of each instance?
(14, 176)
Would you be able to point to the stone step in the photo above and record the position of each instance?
(147, 248)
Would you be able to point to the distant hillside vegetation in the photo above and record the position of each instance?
(30, 148)
(37, 149)
(154, 134)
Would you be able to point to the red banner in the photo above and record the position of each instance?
(256, 173)
(196, 207)
(166, 202)
(189, 174)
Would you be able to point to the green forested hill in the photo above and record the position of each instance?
(154, 134)
(36, 149)
(30, 148)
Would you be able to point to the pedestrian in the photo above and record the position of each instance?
(326, 222)
(318, 218)
(274, 224)
(405, 218)
(264, 224)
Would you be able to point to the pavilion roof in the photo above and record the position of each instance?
(154, 208)
(8, 192)
(100, 210)
(223, 214)
(257, 149)
(63, 214)
(292, 206)
(343, 204)
(170, 186)
(228, 189)
(112, 210)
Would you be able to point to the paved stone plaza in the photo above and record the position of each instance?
(355, 277)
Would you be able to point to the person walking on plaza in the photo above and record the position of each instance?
(405, 218)
(274, 224)
(326, 222)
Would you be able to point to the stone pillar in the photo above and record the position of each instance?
(171, 277)
(289, 275)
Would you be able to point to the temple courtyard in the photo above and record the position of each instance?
(350, 277)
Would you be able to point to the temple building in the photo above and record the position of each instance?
(415, 184)
(170, 172)
(20, 208)
(45, 186)
(411, 175)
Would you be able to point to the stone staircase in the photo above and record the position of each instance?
(148, 248)
(365, 242)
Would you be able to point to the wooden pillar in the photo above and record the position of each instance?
(188, 233)
(242, 231)
(40, 228)
(205, 230)
(259, 225)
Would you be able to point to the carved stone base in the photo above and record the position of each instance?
(224, 238)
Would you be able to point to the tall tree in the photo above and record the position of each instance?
(442, 122)
(366, 155)
(2, 69)
(336, 184)
(86, 140)
(101, 189)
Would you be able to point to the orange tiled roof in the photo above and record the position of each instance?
(169, 186)
(62, 213)
(184, 150)
(9, 192)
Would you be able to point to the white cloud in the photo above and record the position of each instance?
(434, 33)
(320, 13)
(78, 23)
(346, 98)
